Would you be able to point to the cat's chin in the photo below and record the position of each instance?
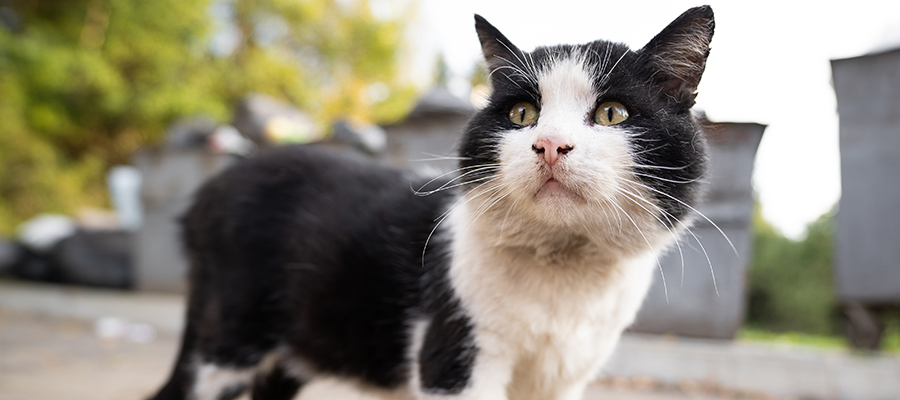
(555, 192)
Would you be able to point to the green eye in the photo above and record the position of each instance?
(610, 113)
(523, 114)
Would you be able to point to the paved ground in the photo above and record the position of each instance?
(62, 342)
(54, 358)
(46, 357)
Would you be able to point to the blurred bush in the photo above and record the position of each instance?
(84, 83)
(791, 283)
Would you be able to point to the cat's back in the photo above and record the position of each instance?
(302, 196)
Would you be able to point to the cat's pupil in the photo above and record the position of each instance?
(609, 113)
(522, 115)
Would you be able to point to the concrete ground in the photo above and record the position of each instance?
(50, 357)
(61, 342)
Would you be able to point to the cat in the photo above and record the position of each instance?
(512, 279)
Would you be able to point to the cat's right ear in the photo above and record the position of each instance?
(498, 50)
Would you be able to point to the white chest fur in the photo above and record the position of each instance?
(552, 313)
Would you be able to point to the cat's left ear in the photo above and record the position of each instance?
(498, 50)
(676, 57)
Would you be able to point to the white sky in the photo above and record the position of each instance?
(769, 64)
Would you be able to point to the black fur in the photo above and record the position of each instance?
(275, 385)
(448, 352)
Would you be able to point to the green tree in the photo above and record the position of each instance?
(480, 75)
(441, 71)
(84, 83)
(317, 54)
(791, 282)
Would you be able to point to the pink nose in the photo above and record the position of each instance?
(551, 148)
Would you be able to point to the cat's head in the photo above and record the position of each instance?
(576, 133)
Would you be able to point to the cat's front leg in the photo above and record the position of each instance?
(490, 376)
(455, 363)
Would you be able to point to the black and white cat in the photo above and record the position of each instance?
(513, 279)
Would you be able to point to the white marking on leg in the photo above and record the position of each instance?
(417, 338)
(212, 380)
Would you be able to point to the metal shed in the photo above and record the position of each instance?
(867, 270)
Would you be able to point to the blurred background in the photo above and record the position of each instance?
(112, 112)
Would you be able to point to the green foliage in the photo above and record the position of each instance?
(441, 71)
(320, 55)
(794, 338)
(480, 75)
(791, 284)
(890, 341)
(84, 83)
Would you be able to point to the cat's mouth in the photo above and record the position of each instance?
(554, 188)
(553, 184)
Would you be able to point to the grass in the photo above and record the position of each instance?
(890, 342)
(793, 338)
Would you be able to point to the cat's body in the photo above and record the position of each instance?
(572, 180)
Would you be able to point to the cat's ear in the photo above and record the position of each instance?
(676, 57)
(498, 50)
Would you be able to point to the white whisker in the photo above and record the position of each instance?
(702, 248)
(662, 167)
(694, 210)
(667, 180)
(658, 263)
(503, 225)
(634, 198)
(481, 211)
(447, 186)
(606, 76)
(438, 157)
(462, 200)
(650, 150)
(472, 169)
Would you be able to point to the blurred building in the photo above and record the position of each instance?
(867, 268)
(427, 137)
(170, 178)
